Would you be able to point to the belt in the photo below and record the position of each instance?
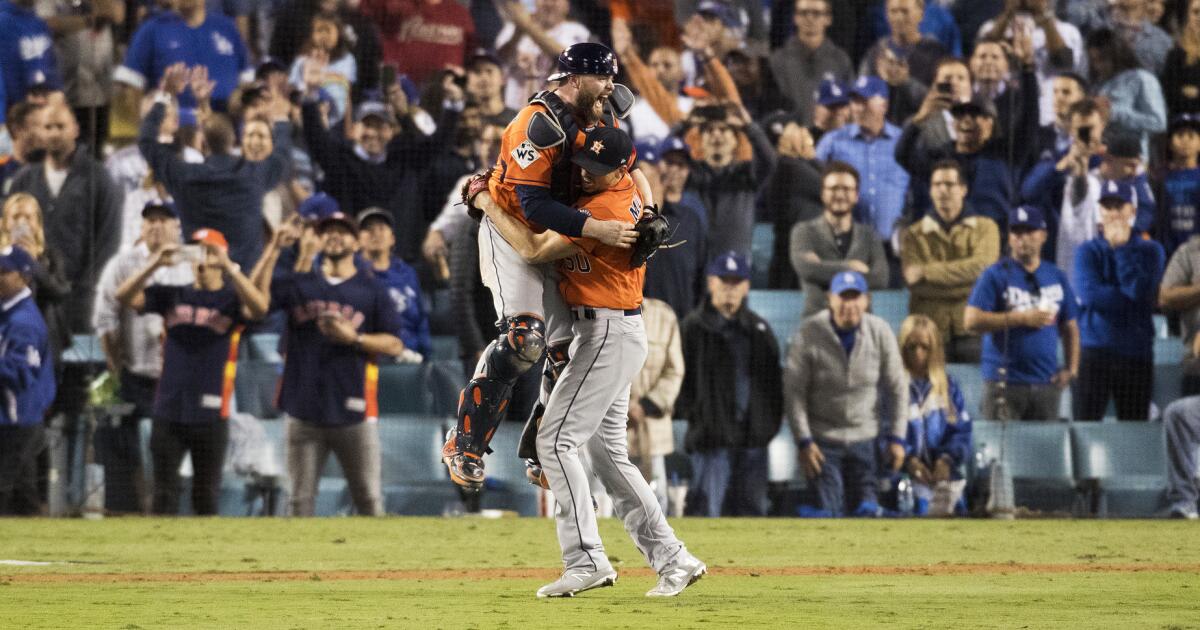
(587, 312)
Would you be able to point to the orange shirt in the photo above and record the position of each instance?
(520, 164)
(599, 276)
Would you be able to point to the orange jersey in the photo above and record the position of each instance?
(520, 164)
(599, 276)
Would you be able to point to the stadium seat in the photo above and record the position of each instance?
(264, 347)
(405, 388)
(1039, 459)
(255, 388)
(892, 305)
(444, 347)
(783, 310)
(762, 242)
(970, 381)
(447, 380)
(84, 349)
(1168, 385)
(1122, 465)
(1168, 350)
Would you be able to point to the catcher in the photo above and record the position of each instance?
(533, 182)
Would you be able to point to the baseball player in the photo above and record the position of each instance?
(534, 182)
(589, 405)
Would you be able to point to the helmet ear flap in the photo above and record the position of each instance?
(622, 100)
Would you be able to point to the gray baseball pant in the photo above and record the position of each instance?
(1182, 423)
(357, 450)
(588, 410)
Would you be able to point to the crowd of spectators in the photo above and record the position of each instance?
(1027, 170)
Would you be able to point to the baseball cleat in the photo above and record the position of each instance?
(535, 474)
(674, 580)
(577, 581)
(466, 470)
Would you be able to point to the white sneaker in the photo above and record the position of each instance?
(1184, 513)
(577, 581)
(674, 580)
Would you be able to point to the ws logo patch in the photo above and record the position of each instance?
(525, 154)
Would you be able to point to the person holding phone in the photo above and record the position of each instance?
(203, 323)
(906, 50)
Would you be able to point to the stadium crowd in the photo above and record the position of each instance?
(178, 175)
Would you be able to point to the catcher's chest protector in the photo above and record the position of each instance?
(566, 185)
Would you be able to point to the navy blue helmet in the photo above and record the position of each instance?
(585, 58)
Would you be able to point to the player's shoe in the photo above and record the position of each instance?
(577, 581)
(675, 579)
(466, 470)
(535, 474)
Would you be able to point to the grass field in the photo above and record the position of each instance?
(462, 573)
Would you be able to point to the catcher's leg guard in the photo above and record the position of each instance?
(483, 402)
(556, 360)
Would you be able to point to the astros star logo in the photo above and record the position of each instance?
(597, 147)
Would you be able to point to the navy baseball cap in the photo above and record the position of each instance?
(1026, 217)
(647, 152)
(337, 218)
(833, 94)
(267, 67)
(866, 87)
(1184, 121)
(673, 144)
(729, 265)
(158, 206)
(848, 281)
(375, 214)
(721, 11)
(13, 258)
(1114, 192)
(317, 207)
(605, 149)
(374, 109)
(483, 55)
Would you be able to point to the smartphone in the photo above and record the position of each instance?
(1085, 134)
(387, 76)
(191, 254)
(21, 231)
(944, 87)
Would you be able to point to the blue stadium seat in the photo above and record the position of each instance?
(1168, 384)
(762, 242)
(405, 388)
(264, 347)
(1168, 350)
(783, 310)
(255, 388)
(892, 305)
(447, 380)
(1123, 464)
(1039, 458)
(970, 381)
(84, 349)
(444, 347)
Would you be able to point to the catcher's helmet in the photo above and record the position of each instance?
(585, 58)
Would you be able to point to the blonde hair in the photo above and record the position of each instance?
(936, 365)
(39, 234)
(1189, 40)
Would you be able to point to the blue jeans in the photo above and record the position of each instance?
(848, 477)
(731, 478)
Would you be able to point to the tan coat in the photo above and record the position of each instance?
(658, 383)
(952, 262)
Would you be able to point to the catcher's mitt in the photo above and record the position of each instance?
(653, 231)
(474, 185)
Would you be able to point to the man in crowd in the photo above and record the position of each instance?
(23, 124)
(834, 242)
(1024, 307)
(28, 383)
(529, 43)
(831, 110)
(1179, 294)
(731, 394)
(838, 361)
(226, 191)
(1116, 276)
(485, 88)
(676, 274)
(801, 66)
(942, 256)
(1054, 138)
(26, 52)
(1057, 45)
(340, 318)
(869, 145)
(906, 46)
(81, 206)
(376, 238)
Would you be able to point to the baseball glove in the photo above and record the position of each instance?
(653, 231)
(475, 184)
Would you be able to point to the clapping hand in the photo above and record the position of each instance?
(174, 79)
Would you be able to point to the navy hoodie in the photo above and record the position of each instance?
(1117, 289)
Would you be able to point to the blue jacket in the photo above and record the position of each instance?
(1117, 290)
(26, 368)
(930, 432)
(26, 53)
(404, 288)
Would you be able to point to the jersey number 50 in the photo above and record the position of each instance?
(577, 263)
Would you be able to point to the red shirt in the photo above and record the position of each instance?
(420, 37)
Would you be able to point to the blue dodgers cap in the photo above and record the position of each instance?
(159, 206)
(1026, 217)
(647, 151)
(848, 281)
(374, 109)
(1114, 192)
(13, 258)
(317, 207)
(672, 144)
(729, 265)
(831, 93)
(866, 87)
(728, 16)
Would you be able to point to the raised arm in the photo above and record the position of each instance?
(131, 293)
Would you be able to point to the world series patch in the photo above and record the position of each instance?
(525, 154)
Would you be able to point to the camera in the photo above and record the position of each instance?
(944, 87)
(1085, 134)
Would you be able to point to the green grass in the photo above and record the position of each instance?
(1093, 600)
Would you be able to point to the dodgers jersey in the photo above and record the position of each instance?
(27, 385)
(26, 53)
(599, 275)
(166, 39)
(325, 382)
(200, 352)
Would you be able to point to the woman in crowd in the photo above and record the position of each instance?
(328, 50)
(1181, 76)
(21, 225)
(939, 427)
(203, 325)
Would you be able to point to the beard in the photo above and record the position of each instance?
(339, 256)
(588, 108)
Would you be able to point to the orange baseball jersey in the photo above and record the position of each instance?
(520, 164)
(599, 276)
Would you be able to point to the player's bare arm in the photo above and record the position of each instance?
(534, 248)
(643, 186)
